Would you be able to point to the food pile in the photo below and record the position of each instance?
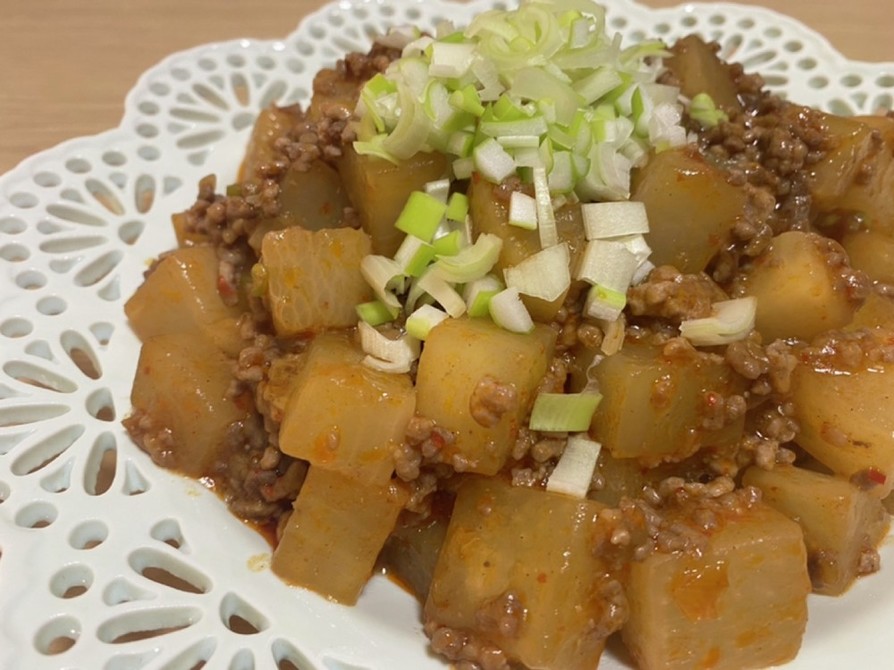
(572, 338)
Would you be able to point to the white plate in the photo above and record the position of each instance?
(77, 226)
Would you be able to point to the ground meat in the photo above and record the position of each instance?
(490, 400)
(669, 294)
(464, 649)
(847, 351)
(768, 367)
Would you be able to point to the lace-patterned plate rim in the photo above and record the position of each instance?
(106, 558)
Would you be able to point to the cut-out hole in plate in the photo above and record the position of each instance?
(81, 353)
(98, 269)
(167, 570)
(168, 531)
(57, 635)
(58, 477)
(34, 375)
(99, 472)
(88, 534)
(43, 451)
(135, 482)
(16, 327)
(120, 590)
(148, 623)
(71, 581)
(129, 231)
(287, 657)
(198, 655)
(38, 515)
(144, 193)
(75, 215)
(24, 414)
(105, 196)
(101, 405)
(240, 617)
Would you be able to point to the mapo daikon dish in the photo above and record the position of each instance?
(571, 337)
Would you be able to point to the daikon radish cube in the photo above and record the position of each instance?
(313, 278)
(489, 210)
(691, 206)
(463, 363)
(379, 190)
(518, 571)
(738, 603)
(335, 532)
(876, 311)
(182, 402)
(664, 404)
(699, 70)
(872, 251)
(342, 415)
(272, 124)
(843, 399)
(801, 287)
(842, 525)
(181, 294)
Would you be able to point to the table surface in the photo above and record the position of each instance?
(67, 65)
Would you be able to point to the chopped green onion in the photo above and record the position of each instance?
(457, 207)
(375, 312)
(604, 303)
(467, 100)
(451, 60)
(421, 216)
(603, 220)
(492, 161)
(573, 473)
(541, 70)
(546, 216)
(703, 109)
(472, 261)
(441, 290)
(381, 273)
(414, 256)
(420, 322)
(543, 275)
(563, 412)
(509, 312)
(522, 210)
(730, 321)
(478, 294)
(449, 244)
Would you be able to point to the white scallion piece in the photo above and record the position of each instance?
(543, 275)
(607, 263)
(574, 471)
(509, 312)
(380, 272)
(386, 354)
(604, 220)
(730, 321)
(563, 412)
(471, 262)
(451, 60)
(493, 161)
(522, 210)
(478, 293)
(604, 303)
(438, 189)
(546, 216)
(614, 334)
(443, 292)
(420, 322)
